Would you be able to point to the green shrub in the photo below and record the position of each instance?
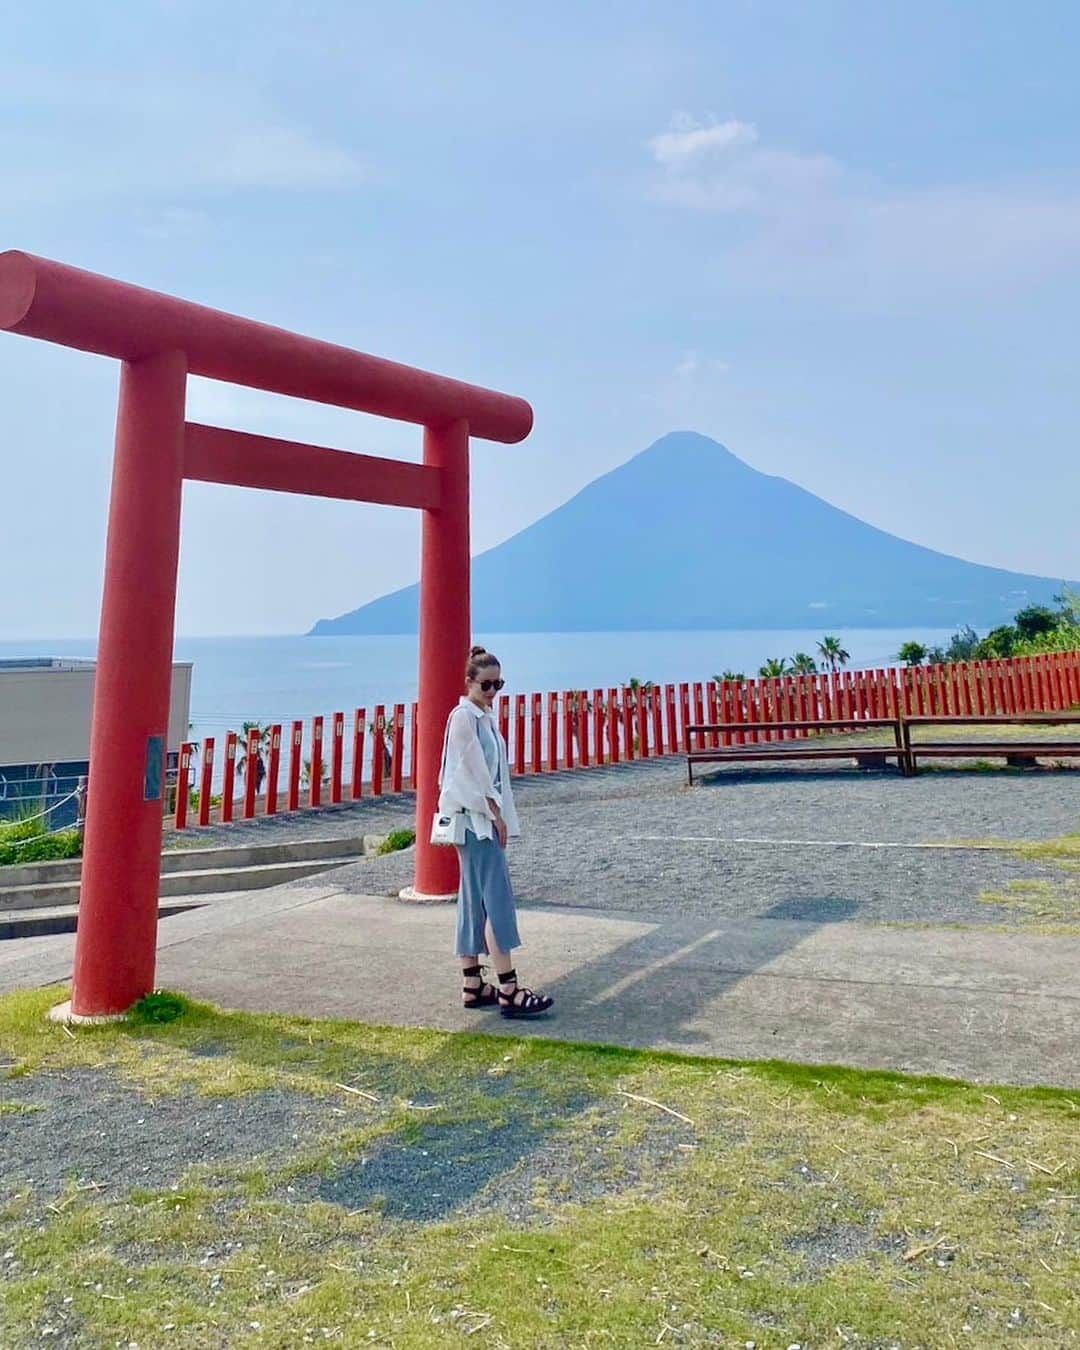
(397, 840)
(37, 847)
(1065, 638)
(14, 831)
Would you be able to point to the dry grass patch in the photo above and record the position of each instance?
(593, 1197)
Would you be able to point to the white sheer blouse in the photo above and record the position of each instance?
(476, 768)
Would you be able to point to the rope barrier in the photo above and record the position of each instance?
(25, 820)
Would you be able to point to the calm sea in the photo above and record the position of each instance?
(277, 679)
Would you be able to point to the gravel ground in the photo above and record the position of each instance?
(378, 815)
(524, 1168)
(791, 844)
(86, 1125)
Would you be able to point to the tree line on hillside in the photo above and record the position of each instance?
(1034, 629)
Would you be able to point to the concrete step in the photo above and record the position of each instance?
(24, 923)
(199, 859)
(201, 879)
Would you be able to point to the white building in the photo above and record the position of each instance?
(45, 709)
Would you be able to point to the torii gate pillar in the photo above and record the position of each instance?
(444, 643)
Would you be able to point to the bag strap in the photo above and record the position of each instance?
(446, 742)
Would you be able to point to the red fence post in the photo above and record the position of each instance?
(228, 786)
(1068, 675)
(504, 719)
(359, 727)
(183, 789)
(378, 750)
(787, 704)
(753, 712)
(296, 748)
(684, 717)
(598, 722)
(273, 770)
(552, 731)
(627, 696)
(536, 732)
(569, 718)
(738, 709)
(712, 708)
(519, 734)
(206, 780)
(397, 749)
(1027, 692)
(337, 756)
(251, 770)
(315, 776)
(613, 724)
(983, 692)
(583, 727)
(657, 722)
(414, 743)
(643, 722)
(699, 704)
(671, 720)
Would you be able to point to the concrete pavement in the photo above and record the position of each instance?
(970, 1003)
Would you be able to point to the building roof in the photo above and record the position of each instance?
(24, 663)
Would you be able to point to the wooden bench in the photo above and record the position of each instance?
(1017, 753)
(831, 746)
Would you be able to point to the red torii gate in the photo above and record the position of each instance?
(161, 340)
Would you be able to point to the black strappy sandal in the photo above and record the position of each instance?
(522, 1002)
(484, 997)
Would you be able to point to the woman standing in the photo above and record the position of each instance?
(475, 780)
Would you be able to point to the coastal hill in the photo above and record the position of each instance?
(687, 536)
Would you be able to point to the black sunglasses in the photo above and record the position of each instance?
(486, 686)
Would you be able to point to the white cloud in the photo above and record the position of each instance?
(689, 142)
(809, 224)
(95, 139)
(721, 167)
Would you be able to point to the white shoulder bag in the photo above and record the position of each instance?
(449, 828)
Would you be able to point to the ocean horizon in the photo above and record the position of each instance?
(290, 677)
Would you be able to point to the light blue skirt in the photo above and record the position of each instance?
(485, 896)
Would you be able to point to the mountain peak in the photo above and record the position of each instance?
(690, 448)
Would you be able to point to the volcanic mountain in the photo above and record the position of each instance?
(687, 536)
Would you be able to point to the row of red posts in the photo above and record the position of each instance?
(552, 732)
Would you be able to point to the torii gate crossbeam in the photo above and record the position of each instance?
(161, 340)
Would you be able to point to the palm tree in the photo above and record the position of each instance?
(730, 676)
(774, 667)
(912, 654)
(830, 651)
(802, 663)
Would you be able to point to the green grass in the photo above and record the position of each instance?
(1042, 904)
(713, 1229)
(397, 840)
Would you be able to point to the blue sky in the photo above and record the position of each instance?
(842, 238)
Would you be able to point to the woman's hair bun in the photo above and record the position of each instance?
(477, 651)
